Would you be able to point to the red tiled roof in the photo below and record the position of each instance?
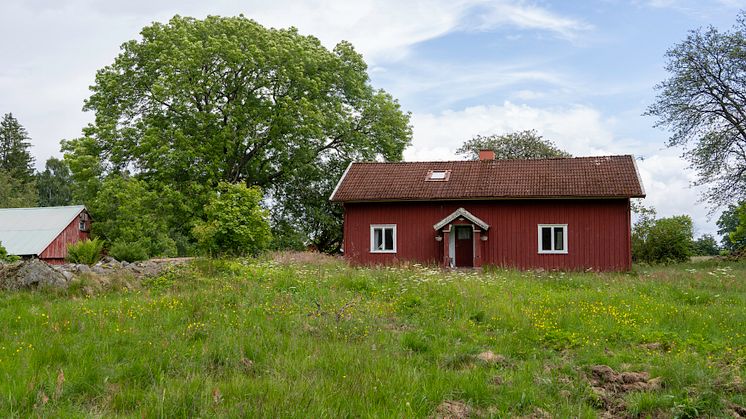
(579, 177)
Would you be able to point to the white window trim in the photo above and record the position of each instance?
(564, 240)
(372, 237)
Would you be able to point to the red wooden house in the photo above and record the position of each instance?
(559, 213)
(43, 232)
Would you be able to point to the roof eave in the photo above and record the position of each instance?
(489, 198)
(339, 183)
(639, 178)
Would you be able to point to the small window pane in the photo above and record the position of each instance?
(546, 238)
(463, 233)
(559, 241)
(389, 233)
(378, 239)
(438, 175)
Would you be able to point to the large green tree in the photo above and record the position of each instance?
(54, 184)
(305, 208)
(703, 104)
(197, 102)
(15, 157)
(526, 144)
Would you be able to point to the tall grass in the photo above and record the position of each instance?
(256, 338)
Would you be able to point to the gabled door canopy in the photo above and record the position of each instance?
(461, 212)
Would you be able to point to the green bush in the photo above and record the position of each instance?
(85, 251)
(5, 257)
(663, 240)
(235, 223)
(129, 251)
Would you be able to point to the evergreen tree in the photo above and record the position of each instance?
(14, 193)
(15, 158)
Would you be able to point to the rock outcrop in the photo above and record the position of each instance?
(34, 273)
(31, 273)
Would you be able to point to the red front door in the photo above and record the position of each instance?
(464, 246)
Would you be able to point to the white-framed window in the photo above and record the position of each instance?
(383, 238)
(553, 238)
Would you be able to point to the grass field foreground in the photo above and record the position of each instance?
(317, 338)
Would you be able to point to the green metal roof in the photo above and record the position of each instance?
(28, 231)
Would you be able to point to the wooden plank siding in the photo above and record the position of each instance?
(56, 252)
(598, 232)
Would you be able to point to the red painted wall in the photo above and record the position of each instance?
(598, 232)
(56, 252)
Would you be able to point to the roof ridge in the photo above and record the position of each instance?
(494, 160)
(41, 208)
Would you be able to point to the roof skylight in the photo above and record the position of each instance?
(438, 175)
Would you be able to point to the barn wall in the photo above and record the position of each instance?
(598, 232)
(57, 251)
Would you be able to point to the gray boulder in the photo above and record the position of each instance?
(31, 273)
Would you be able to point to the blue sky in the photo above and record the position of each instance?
(581, 72)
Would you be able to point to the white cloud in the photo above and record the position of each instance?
(52, 49)
(527, 16)
(582, 131)
(698, 9)
(445, 84)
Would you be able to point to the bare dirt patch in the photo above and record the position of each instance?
(736, 411)
(610, 386)
(538, 413)
(490, 357)
(655, 346)
(452, 409)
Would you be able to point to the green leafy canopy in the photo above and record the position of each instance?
(703, 104)
(197, 102)
(526, 144)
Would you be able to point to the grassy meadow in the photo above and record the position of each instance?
(298, 336)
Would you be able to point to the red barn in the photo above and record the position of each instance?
(43, 232)
(559, 213)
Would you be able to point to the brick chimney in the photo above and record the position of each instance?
(486, 155)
